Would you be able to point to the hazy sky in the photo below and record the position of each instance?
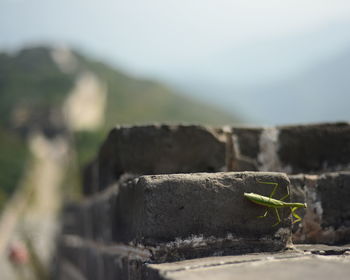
(145, 35)
(208, 48)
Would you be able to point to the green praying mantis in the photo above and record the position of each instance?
(270, 202)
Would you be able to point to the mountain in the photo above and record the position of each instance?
(39, 79)
(318, 94)
(60, 92)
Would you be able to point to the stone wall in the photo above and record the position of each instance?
(164, 193)
(309, 149)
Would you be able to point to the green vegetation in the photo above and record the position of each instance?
(13, 158)
(139, 101)
(33, 89)
(30, 85)
(87, 144)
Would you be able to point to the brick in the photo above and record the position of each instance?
(102, 214)
(77, 219)
(315, 148)
(327, 218)
(90, 178)
(180, 216)
(292, 149)
(243, 148)
(93, 260)
(192, 215)
(165, 149)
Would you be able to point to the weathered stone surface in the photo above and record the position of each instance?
(160, 149)
(315, 148)
(324, 250)
(93, 217)
(67, 271)
(193, 215)
(299, 264)
(179, 216)
(291, 149)
(243, 148)
(76, 220)
(327, 218)
(84, 259)
(302, 268)
(96, 261)
(90, 178)
(165, 149)
(102, 214)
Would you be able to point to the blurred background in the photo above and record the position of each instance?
(71, 70)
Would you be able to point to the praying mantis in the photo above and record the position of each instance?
(270, 202)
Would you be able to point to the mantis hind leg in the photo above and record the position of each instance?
(269, 183)
(284, 197)
(278, 218)
(298, 218)
(277, 215)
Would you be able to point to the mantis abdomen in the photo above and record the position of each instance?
(271, 202)
(274, 203)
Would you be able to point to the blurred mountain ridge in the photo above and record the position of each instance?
(32, 79)
(58, 91)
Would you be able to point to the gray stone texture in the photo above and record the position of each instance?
(90, 178)
(327, 217)
(178, 216)
(315, 148)
(310, 149)
(163, 208)
(155, 195)
(303, 263)
(84, 259)
(243, 148)
(99, 262)
(163, 149)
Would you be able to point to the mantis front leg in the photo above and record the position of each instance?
(298, 218)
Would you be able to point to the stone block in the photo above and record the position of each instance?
(327, 218)
(90, 178)
(314, 148)
(160, 149)
(243, 148)
(191, 215)
(85, 259)
(297, 264)
(69, 221)
(76, 219)
(102, 214)
(292, 149)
